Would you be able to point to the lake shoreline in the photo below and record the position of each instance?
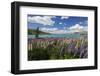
(53, 39)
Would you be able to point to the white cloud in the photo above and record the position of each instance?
(45, 20)
(48, 29)
(60, 22)
(84, 22)
(53, 30)
(64, 17)
(78, 28)
(59, 32)
(80, 22)
(65, 28)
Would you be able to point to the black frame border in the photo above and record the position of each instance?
(15, 34)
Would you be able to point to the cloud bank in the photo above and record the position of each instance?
(64, 17)
(72, 29)
(44, 20)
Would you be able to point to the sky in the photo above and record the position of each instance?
(57, 24)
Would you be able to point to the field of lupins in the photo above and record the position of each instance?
(57, 48)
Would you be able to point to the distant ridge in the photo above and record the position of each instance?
(33, 32)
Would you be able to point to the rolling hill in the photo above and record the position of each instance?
(33, 32)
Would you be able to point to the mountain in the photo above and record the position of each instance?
(81, 33)
(34, 32)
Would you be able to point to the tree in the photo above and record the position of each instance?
(37, 32)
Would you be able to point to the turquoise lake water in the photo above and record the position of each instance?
(57, 36)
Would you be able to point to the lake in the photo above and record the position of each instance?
(57, 36)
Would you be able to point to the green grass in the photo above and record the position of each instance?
(44, 54)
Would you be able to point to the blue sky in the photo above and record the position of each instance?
(57, 24)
